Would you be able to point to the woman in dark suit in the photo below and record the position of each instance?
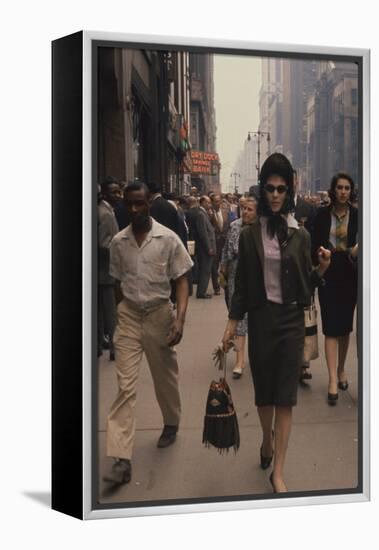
(336, 228)
(274, 282)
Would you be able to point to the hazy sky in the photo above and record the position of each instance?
(237, 81)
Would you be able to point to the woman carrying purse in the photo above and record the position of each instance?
(274, 282)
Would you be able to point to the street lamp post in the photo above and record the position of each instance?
(235, 175)
(259, 134)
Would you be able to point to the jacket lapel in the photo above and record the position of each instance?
(256, 230)
(291, 233)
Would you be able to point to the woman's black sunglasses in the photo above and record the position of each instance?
(271, 188)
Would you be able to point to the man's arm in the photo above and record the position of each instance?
(118, 292)
(176, 331)
(115, 270)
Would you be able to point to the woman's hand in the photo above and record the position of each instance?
(354, 251)
(324, 256)
(229, 334)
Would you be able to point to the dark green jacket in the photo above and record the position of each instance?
(297, 276)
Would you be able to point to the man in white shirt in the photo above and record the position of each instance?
(143, 258)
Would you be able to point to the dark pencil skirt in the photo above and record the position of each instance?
(338, 297)
(276, 343)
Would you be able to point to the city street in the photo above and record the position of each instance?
(323, 449)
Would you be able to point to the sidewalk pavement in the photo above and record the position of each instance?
(323, 447)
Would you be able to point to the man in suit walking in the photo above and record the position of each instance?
(220, 222)
(305, 214)
(107, 228)
(162, 211)
(205, 247)
(191, 214)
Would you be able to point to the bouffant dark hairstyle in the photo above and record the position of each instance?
(333, 185)
(276, 165)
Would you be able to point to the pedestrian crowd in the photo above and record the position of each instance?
(268, 251)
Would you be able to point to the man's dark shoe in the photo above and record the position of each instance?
(205, 297)
(121, 472)
(167, 436)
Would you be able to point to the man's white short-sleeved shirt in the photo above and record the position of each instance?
(145, 272)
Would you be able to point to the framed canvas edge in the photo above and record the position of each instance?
(117, 512)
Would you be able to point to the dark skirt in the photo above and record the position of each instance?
(338, 297)
(276, 343)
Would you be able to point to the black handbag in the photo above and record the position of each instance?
(220, 421)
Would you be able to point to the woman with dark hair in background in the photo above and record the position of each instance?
(336, 228)
(274, 282)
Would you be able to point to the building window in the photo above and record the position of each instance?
(354, 96)
(354, 132)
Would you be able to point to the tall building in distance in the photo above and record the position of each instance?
(271, 106)
(299, 79)
(332, 124)
(205, 161)
(245, 170)
(310, 109)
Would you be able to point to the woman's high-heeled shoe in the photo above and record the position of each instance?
(237, 372)
(343, 385)
(332, 399)
(266, 460)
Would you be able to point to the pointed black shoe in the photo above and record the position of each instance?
(332, 399)
(343, 385)
(266, 460)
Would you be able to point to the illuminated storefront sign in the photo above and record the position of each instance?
(205, 163)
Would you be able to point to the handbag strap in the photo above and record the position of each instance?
(223, 363)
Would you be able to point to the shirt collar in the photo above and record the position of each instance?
(339, 217)
(107, 205)
(291, 221)
(155, 231)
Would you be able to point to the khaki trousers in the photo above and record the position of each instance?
(139, 331)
